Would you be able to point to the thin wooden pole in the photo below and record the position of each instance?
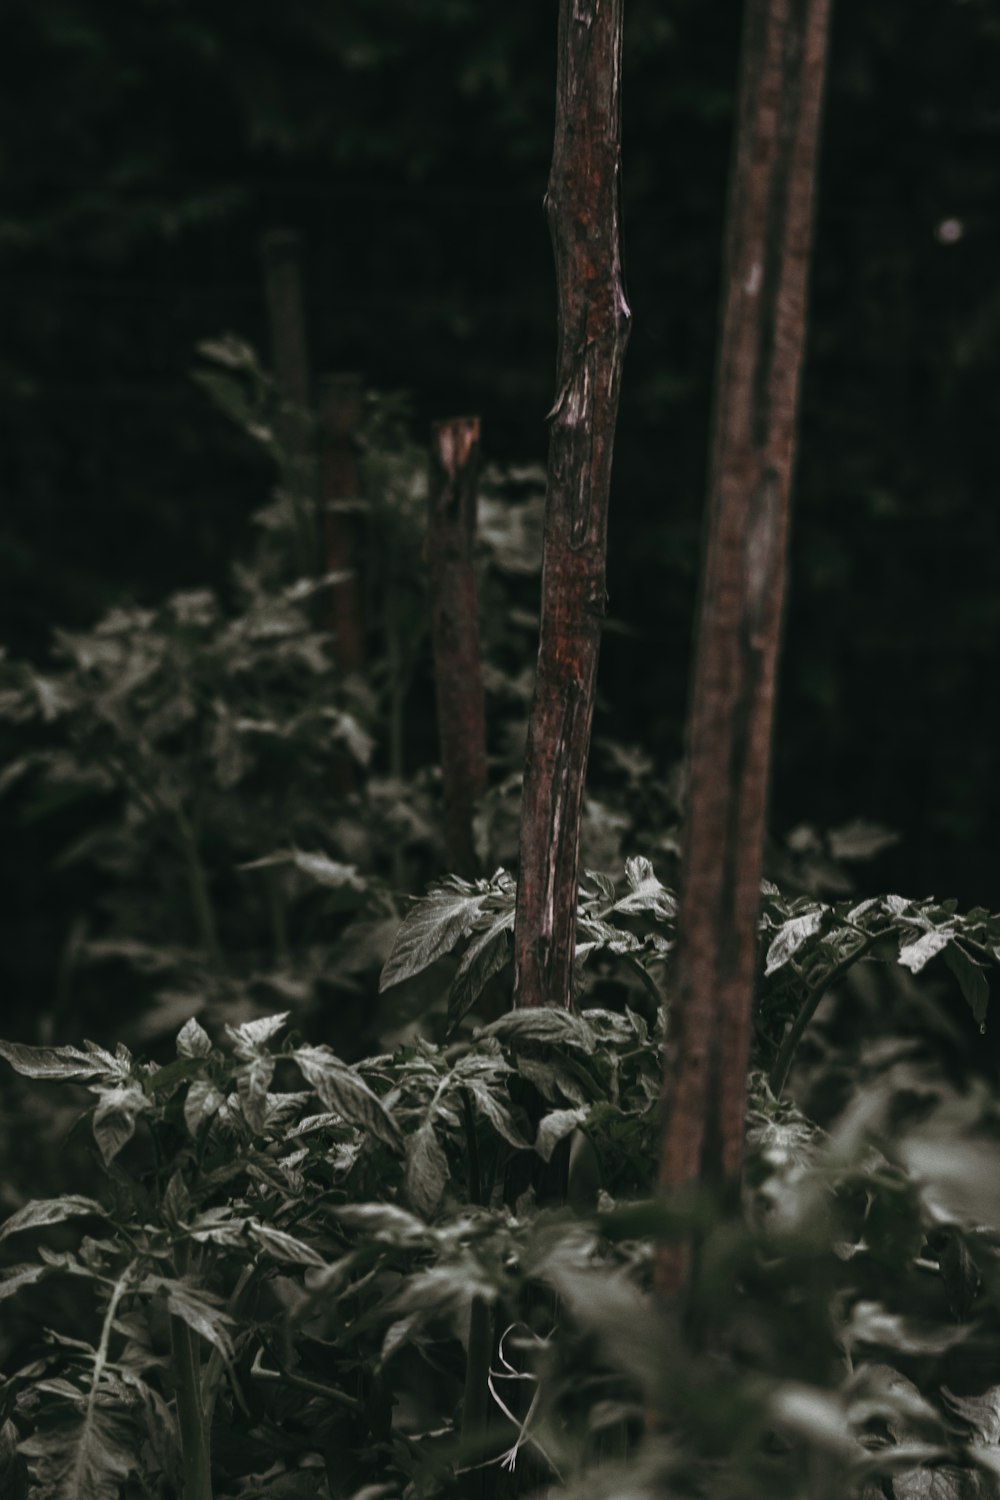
(461, 716)
(281, 253)
(582, 204)
(340, 413)
(742, 591)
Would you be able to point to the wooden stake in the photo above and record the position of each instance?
(582, 204)
(742, 590)
(281, 255)
(340, 413)
(461, 717)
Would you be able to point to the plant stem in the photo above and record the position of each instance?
(193, 1423)
(475, 1406)
(789, 1046)
(201, 900)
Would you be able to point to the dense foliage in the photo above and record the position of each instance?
(329, 1277)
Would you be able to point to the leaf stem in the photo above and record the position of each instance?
(793, 1036)
(193, 1422)
(475, 1406)
(201, 900)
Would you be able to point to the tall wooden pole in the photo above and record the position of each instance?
(742, 590)
(340, 410)
(582, 204)
(281, 253)
(461, 715)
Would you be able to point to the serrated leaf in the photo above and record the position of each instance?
(88, 1456)
(41, 1212)
(542, 1023)
(66, 1063)
(16, 1277)
(554, 1127)
(283, 1246)
(218, 1226)
(646, 893)
(494, 1110)
(914, 956)
(972, 981)
(193, 1040)
(790, 937)
(426, 1171)
(345, 1092)
(115, 1118)
(202, 1101)
(432, 928)
(252, 1079)
(485, 956)
(602, 883)
(251, 1036)
(195, 1308)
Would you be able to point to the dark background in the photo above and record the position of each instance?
(144, 149)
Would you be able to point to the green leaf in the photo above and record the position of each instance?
(196, 1308)
(283, 1246)
(496, 1111)
(426, 1170)
(41, 1212)
(16, 1277)
(193, 1040)
(603, 884)
(432, 928)
(554, 1127)
(218, 1226)
(115, 1118)
(972, 981)
(645, 891)
(485, 956)
(915, 955)
(790, 937)
(13, 1469)
(345, 1092)
(66, 1063)
(543, 1023)
(252, 1079)
(88, 1456)
(318, 867)
(202, 1101)
(251, 1036)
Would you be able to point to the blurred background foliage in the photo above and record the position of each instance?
(145, 150)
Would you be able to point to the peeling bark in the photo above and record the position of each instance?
(461, 717)
(742, 593)
(582, 204)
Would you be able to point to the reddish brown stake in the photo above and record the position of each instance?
(451, 531)
(340, 414)
(582, 204)
(742, 591)
(281, 255)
